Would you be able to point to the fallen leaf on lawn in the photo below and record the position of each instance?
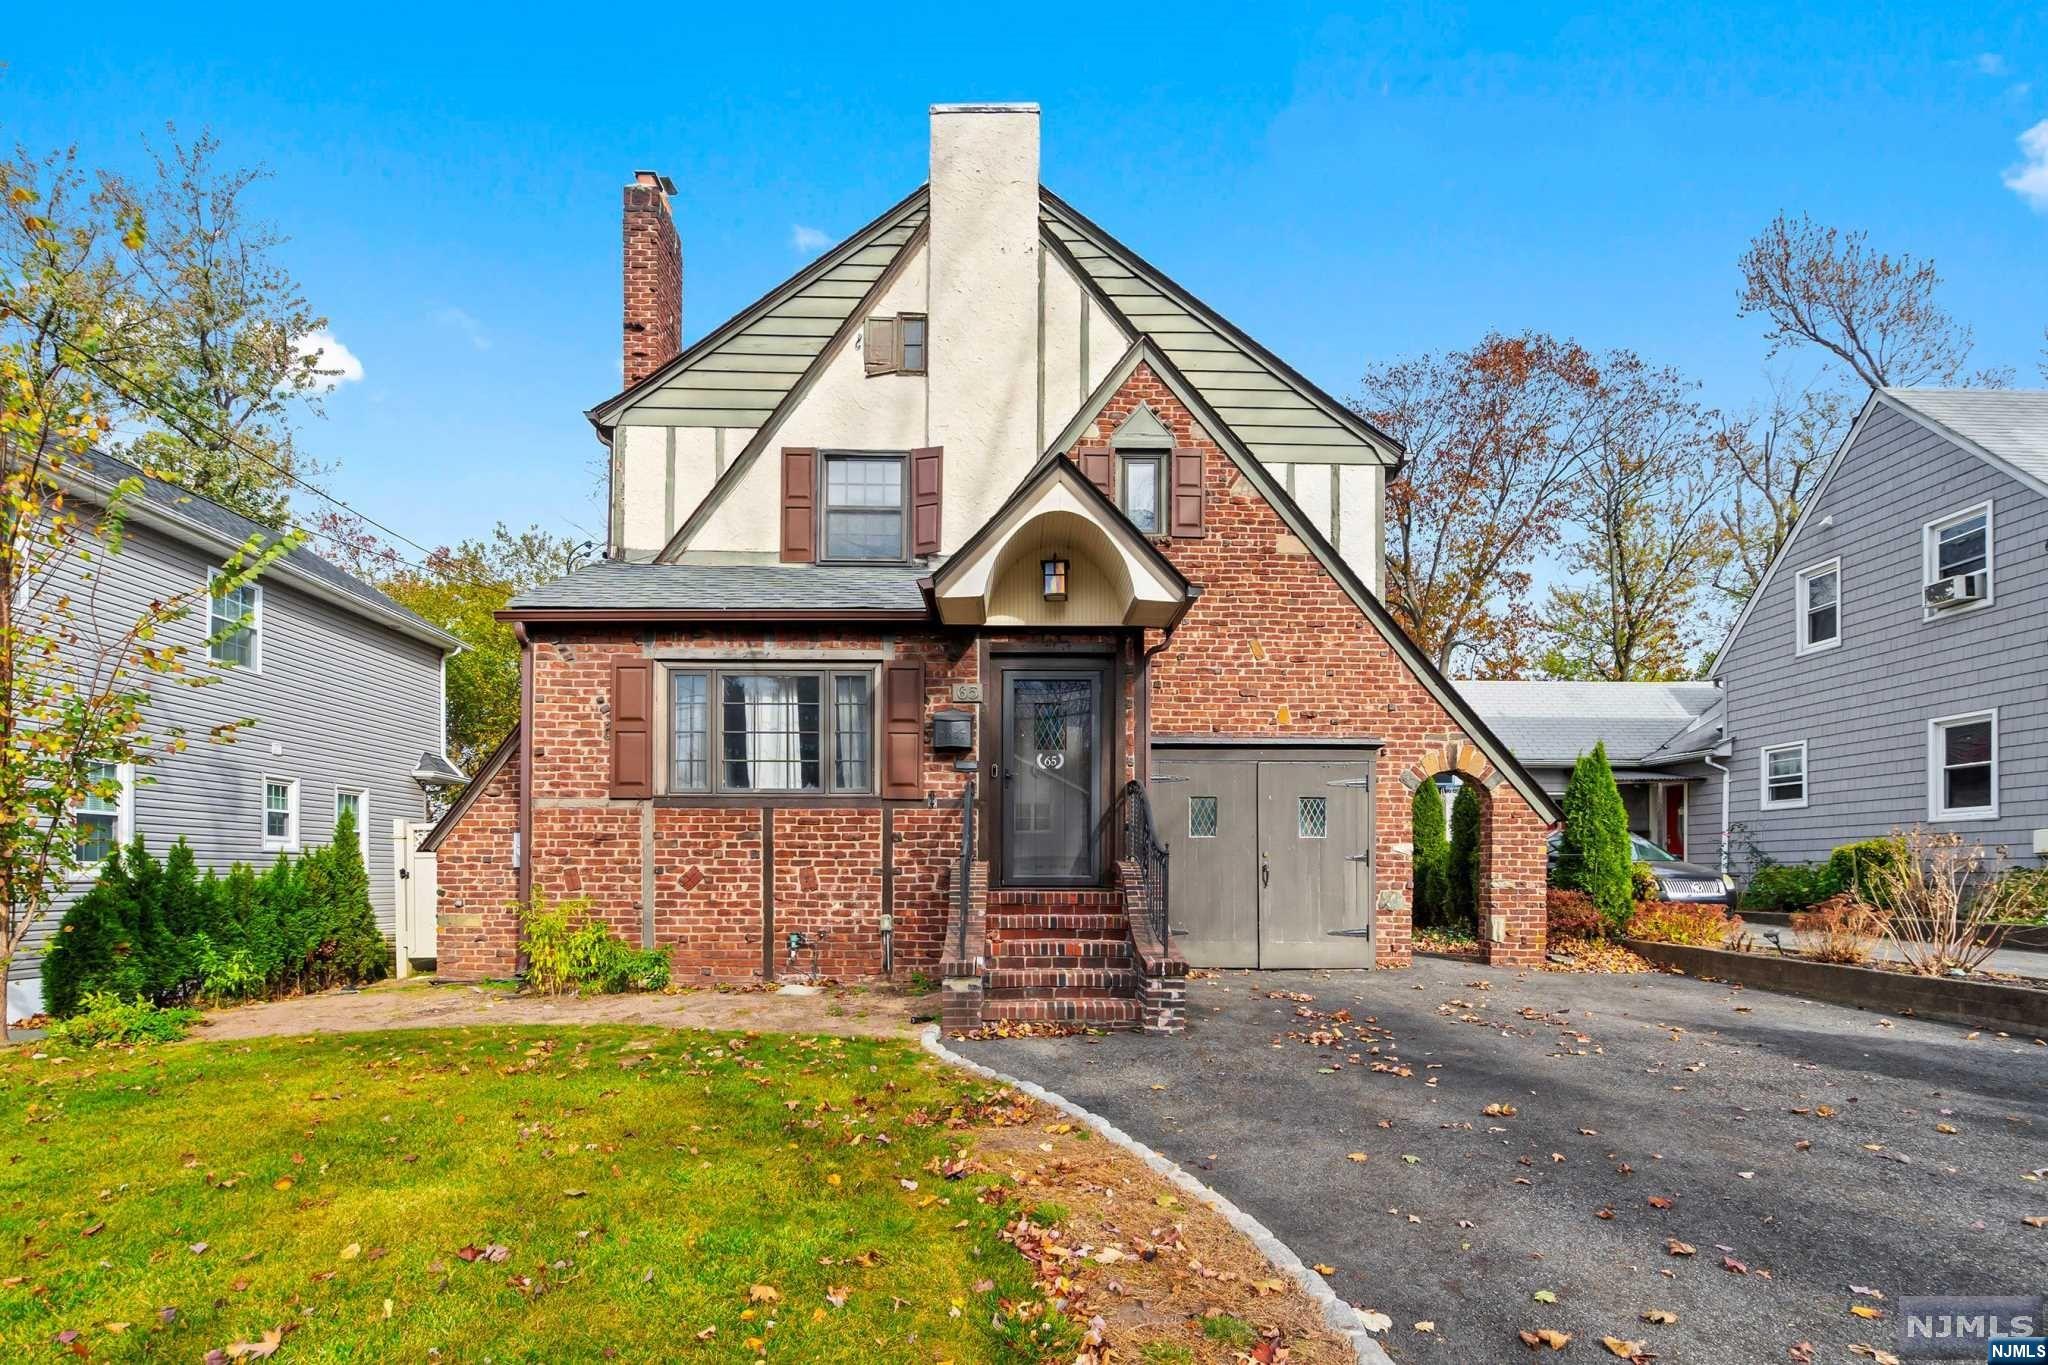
(197, 1248)
(115, 1327)
(1678, 1248)
(351, 1251)
(833, 1179)
(1663, 1317)
(258, 1350)
(91, 1231)
(707, 1334)
(1627, 1350)
(574, 1194)
(1864, 1310)
(763, 1293)
(907, 1184)
(836, 1295)
(283, 1182)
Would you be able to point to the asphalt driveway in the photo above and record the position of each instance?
(1800, 1142)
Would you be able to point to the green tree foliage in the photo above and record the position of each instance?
(1432, 857)
(164, 933)
(1595, 853)
(1464, 856)
(458, 589)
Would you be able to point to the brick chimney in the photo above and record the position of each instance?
(654, 277)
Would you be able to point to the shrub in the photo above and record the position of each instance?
(162, 933)
(104, 1019)
(1944, 896)
(1432, 857)
(1463, 876)
(1866, 866)
(569, 949)
(1572, 914)
(2024, 895)
(1788, 886)
(1594, 853)
(1695, 925)
(1846, 928)
(1642, 883)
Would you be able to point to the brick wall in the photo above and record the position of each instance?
(1274, 647)
(478, 884)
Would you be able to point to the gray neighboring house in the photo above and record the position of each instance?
(346, 688)
(1664, 742)
(1892, 667)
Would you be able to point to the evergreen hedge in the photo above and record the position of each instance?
(1432, 858)
(163, 933)
(1464, 863)
(1595, 854)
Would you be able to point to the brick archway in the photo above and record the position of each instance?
(1512, 852)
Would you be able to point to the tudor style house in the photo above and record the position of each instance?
(979, 598)
(345, 688)
(1888, 671)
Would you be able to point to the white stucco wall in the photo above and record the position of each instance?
(665, 472)
(1358, 520)
(984, 304)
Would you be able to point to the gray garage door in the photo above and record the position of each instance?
(1270, 853)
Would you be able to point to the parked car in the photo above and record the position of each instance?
(1677, 880)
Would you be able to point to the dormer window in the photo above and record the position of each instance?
(894, 345)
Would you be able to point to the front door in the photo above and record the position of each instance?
(1269, 857)
(1051, 788)
(1674, 820)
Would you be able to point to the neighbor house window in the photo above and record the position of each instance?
(280, 814)
(1141, 475)
(103, 819)
(1784, 775)
(863, 498)
(1820, 607)
(357, 804)
(1959, 546)
(1962, 767)
(234, 624)
(749, 731)
(894, 345)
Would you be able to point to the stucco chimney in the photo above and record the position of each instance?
(983, 305)
(654, 277)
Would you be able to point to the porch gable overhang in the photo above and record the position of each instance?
(1118, 576)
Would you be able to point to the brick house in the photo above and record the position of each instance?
(977, 601)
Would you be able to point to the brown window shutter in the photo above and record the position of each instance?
(926, 471)
(632, 727)
(1186, 517)
(878, 345)
(1095, 468)
(799, 505)
(903, 731)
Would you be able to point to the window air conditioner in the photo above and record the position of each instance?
(1955, 590)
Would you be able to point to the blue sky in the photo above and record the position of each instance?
(1347, 186)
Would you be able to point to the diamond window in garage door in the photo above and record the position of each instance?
(1312, 819)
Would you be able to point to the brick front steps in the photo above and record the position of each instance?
(1060, 956)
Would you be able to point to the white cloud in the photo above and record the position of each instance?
(2029, 179)
(1990, 64)
(464, 322)
(808, 241)
(331, 356)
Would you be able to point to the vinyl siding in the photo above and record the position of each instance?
(1863, 708)
(345, 703)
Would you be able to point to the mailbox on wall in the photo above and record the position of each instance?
(952, 731)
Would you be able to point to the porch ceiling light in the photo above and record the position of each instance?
(1055, 580)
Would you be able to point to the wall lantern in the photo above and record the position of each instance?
(1055, 580)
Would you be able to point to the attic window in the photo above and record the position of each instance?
(894, 345)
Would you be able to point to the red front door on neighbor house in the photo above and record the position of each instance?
(1674, 819)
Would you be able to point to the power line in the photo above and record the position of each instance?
(152, 405)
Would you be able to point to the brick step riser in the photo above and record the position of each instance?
(1063, 949)
(1008, 962)
(1100, 1012)
(1016, 981)
(1055, 900)
(1059, 926)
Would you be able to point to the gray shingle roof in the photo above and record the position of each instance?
(1552, 723)
(210, 518)
(2011, 424)
(622, 585)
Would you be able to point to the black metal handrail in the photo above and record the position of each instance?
(963, 884)
(1142, 847)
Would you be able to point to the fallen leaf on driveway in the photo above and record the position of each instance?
(1866, 1291)
(1729, 1263)
(1857, 1348)
(1357, 1156)
(1545, 1336)
(1374, 1321)
(1544, 1296)
(1678, 1248)
(1627, 1350)
(1864, 1310)
(1663, 1317)
(1801, 1352)
(1425, 1326)
(2035, 1220)
(1658, 1201)
(1322, 1269)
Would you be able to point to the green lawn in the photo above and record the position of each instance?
(655, 1194)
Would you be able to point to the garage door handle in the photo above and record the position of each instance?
(1265, 873)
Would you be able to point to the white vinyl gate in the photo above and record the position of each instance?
(417, 898)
